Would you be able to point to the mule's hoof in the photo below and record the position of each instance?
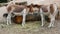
(10, 22)
(50, 26)
(7, 24)
(23, 25)
(42, 25)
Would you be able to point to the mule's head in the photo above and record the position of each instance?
(51, 8)
(9, 8)
(33, 8)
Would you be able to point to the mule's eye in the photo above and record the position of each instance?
(5, 15)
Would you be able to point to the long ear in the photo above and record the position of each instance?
(5, 15)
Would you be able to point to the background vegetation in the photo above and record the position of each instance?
(3, 1)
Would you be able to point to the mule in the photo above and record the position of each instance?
(51, 11)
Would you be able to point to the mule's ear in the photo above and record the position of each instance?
(5, 15)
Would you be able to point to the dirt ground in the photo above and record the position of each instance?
(29, 28)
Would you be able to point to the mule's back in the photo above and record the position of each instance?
(18, 9)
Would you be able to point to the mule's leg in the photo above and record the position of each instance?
(52, 22)
(42, 17)
(24, 17)
(9, 19)
(42, 20)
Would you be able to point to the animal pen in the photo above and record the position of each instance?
(30, 17)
